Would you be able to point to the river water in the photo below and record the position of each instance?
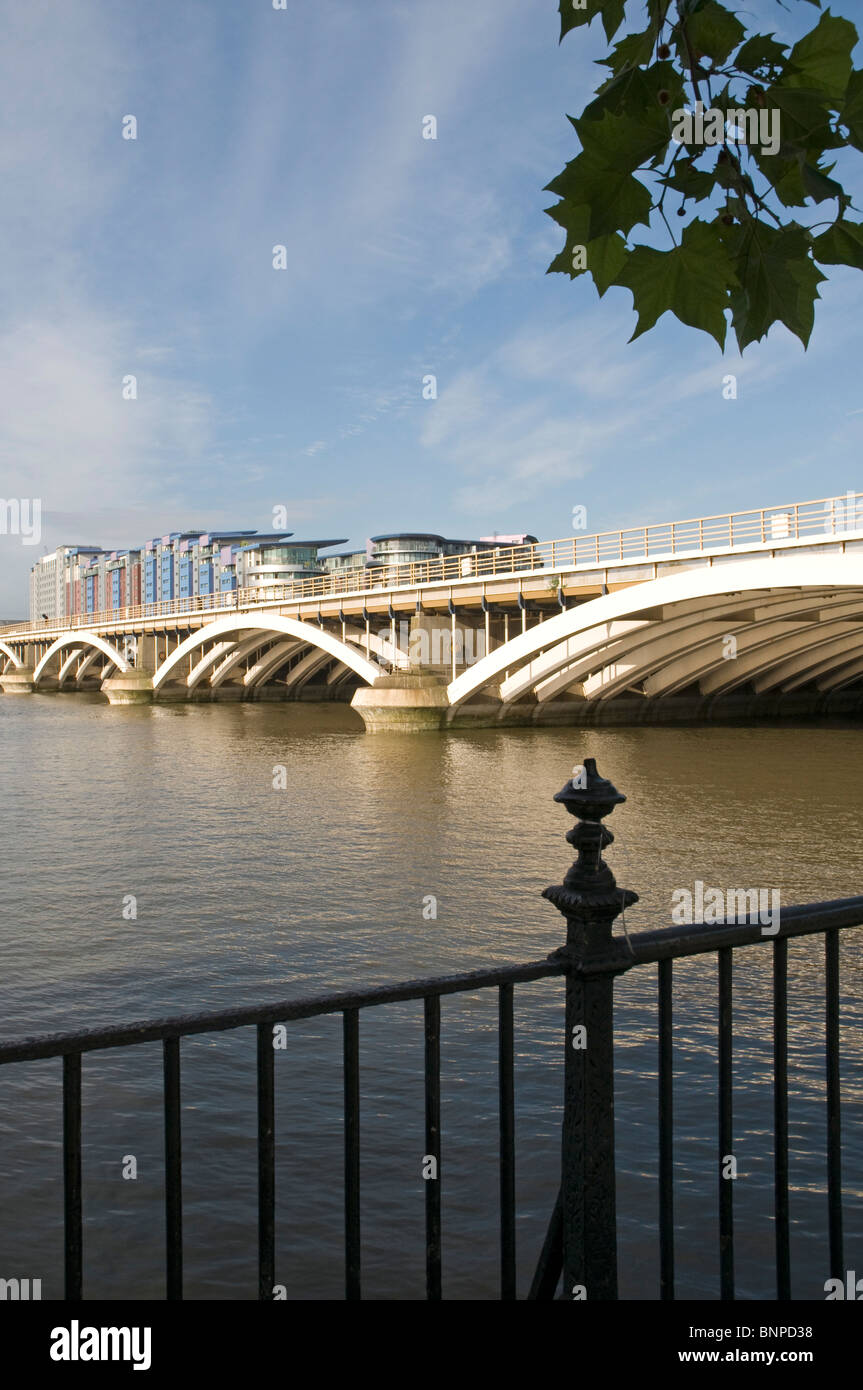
(246, 893)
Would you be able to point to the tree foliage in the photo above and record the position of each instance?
(749, 250)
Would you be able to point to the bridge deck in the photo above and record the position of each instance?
(579, 567)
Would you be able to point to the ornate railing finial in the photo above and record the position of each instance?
(589, 897)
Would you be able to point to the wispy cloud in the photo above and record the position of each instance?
(555, 403)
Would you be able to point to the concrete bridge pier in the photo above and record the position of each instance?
(402, 703)
(19, 680)
(134, 687)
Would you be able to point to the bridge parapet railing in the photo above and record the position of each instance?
(581, 1240)
(824, 517)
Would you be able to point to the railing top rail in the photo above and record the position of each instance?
(669, 943)
(284, 1011)
(646, 947)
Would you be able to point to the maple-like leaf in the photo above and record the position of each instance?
(692, 280)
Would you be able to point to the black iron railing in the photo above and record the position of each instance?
(581, 1241)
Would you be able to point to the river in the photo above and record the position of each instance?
(244, 892)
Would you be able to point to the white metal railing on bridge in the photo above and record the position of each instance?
(794, 521)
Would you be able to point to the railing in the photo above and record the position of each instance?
(581, 1242)
(792, 522)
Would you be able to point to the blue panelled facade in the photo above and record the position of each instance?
(187, 576)
(151, 580)
(189, 565)
(166, 570)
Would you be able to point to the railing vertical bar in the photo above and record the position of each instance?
(351, 1026)
(666, 1134)
(834, 1129)
(431, 1005)
(780, 1118)
(173, 1170)
(266, 1165)
(726, 1189)
(507, 1143)
(72, 1176)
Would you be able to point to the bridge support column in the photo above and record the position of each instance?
(133, 688)
(18, 681)
(402, 704)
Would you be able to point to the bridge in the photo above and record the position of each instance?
(746, 613)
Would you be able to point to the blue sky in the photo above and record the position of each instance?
(259, 388)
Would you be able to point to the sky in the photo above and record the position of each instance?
(406, 258)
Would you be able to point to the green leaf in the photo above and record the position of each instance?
(693, 183)
(603, 256)
(852, 109)
(727, 172)
(612, 17)
(785, 176)
(616, 200)
(631, 52)
(637, 90)
(841, 244)
(626, 142)
(760, 55)
(724, 100)
(712, 32)
(574, 13)
(819, 186)
(606, 257)
(692, 280)
(804, 118)
(822, 58)
(778, 281)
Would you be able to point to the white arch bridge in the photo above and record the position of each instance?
(776, 630)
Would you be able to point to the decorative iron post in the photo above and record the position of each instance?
(589, 899)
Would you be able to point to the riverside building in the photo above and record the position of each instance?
(185, 565)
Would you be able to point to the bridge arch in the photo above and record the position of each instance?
(68, 663)
(775, 625)
(12, 655)
(820, 664)
(598, 638)
(81, 639)
(269, 662)
(241, 650)
(206, 663)
(269, 626)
